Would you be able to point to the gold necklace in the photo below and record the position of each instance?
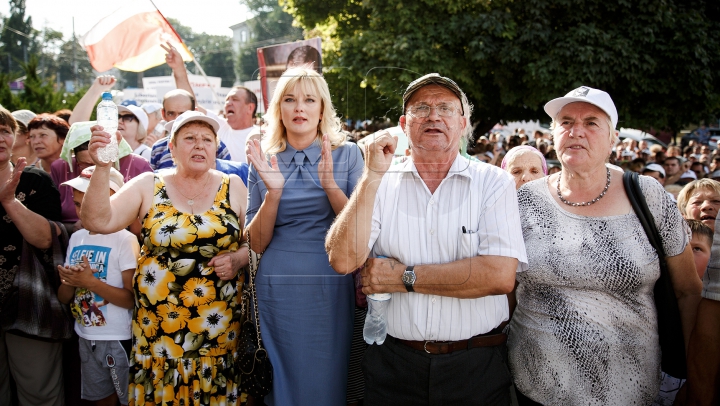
(191, 200)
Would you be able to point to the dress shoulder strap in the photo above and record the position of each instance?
(222, 197)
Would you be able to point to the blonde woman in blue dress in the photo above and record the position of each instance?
(306, 308)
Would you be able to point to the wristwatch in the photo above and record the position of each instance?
(408, 278)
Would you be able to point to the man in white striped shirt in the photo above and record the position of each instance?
(451, 233)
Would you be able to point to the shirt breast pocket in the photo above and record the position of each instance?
(469, 243)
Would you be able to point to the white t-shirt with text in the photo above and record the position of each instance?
(109, 254)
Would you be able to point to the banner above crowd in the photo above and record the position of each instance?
(154, 88)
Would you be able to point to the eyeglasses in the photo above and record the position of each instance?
(442, 110)
(127, 118)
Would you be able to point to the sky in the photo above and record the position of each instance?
(58, 14)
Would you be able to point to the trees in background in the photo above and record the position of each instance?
(658, 59)
(58, 60)
(39, 96)
(52, 60)
(17, 38)
(271, 25)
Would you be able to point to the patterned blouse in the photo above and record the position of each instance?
(585, 328)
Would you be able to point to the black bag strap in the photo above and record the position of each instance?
(637, 200)
(253, 265)
(672, 342)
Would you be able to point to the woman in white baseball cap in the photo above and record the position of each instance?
(585, 327)
(188, 272)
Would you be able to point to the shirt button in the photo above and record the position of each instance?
(432, 232)
(432, 201)
(433, 300)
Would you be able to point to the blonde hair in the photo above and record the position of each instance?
(311, 82)
(689, 190)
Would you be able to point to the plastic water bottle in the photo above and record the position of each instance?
(107, 117)
(375, 329)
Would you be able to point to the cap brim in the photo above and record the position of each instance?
(553, 107)
(215, 125)
(79, 183)
(432, 80)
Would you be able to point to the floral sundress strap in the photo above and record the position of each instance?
(158, 191)
(223, 199)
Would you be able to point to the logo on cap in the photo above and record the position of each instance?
(581, 91)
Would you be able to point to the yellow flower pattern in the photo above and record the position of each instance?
(174, 317)
(198, 291)
(214, 319)
(186, 320)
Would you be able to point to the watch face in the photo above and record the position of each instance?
(408, 277)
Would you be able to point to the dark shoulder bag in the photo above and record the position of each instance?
(672, 342)
(253, 361)
(32, 307)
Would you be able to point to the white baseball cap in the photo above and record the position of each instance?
(584, 94)
(655, 168)
(82, 182)
(151, 107)
(23, 116)
(137, 112)
(189, 116)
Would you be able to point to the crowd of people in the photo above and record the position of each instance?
(517, 268)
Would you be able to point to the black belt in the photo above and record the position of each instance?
(492, 338)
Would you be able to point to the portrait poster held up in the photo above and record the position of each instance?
(276, 59)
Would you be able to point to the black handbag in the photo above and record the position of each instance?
(672, 342)
(32, 306)
(253, 361)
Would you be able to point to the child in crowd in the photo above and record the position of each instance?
(701, 242)
(97, 282)
(700, 200)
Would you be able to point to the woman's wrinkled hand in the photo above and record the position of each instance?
(100, 139)
(7, 190)
(104, 82)
(226, 265)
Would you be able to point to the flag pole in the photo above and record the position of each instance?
(202, 71)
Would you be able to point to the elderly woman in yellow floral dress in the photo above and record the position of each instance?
(187, 312)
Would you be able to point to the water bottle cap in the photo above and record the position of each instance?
(107, 96)
(380, 297)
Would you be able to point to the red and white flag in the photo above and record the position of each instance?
(129, 39)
